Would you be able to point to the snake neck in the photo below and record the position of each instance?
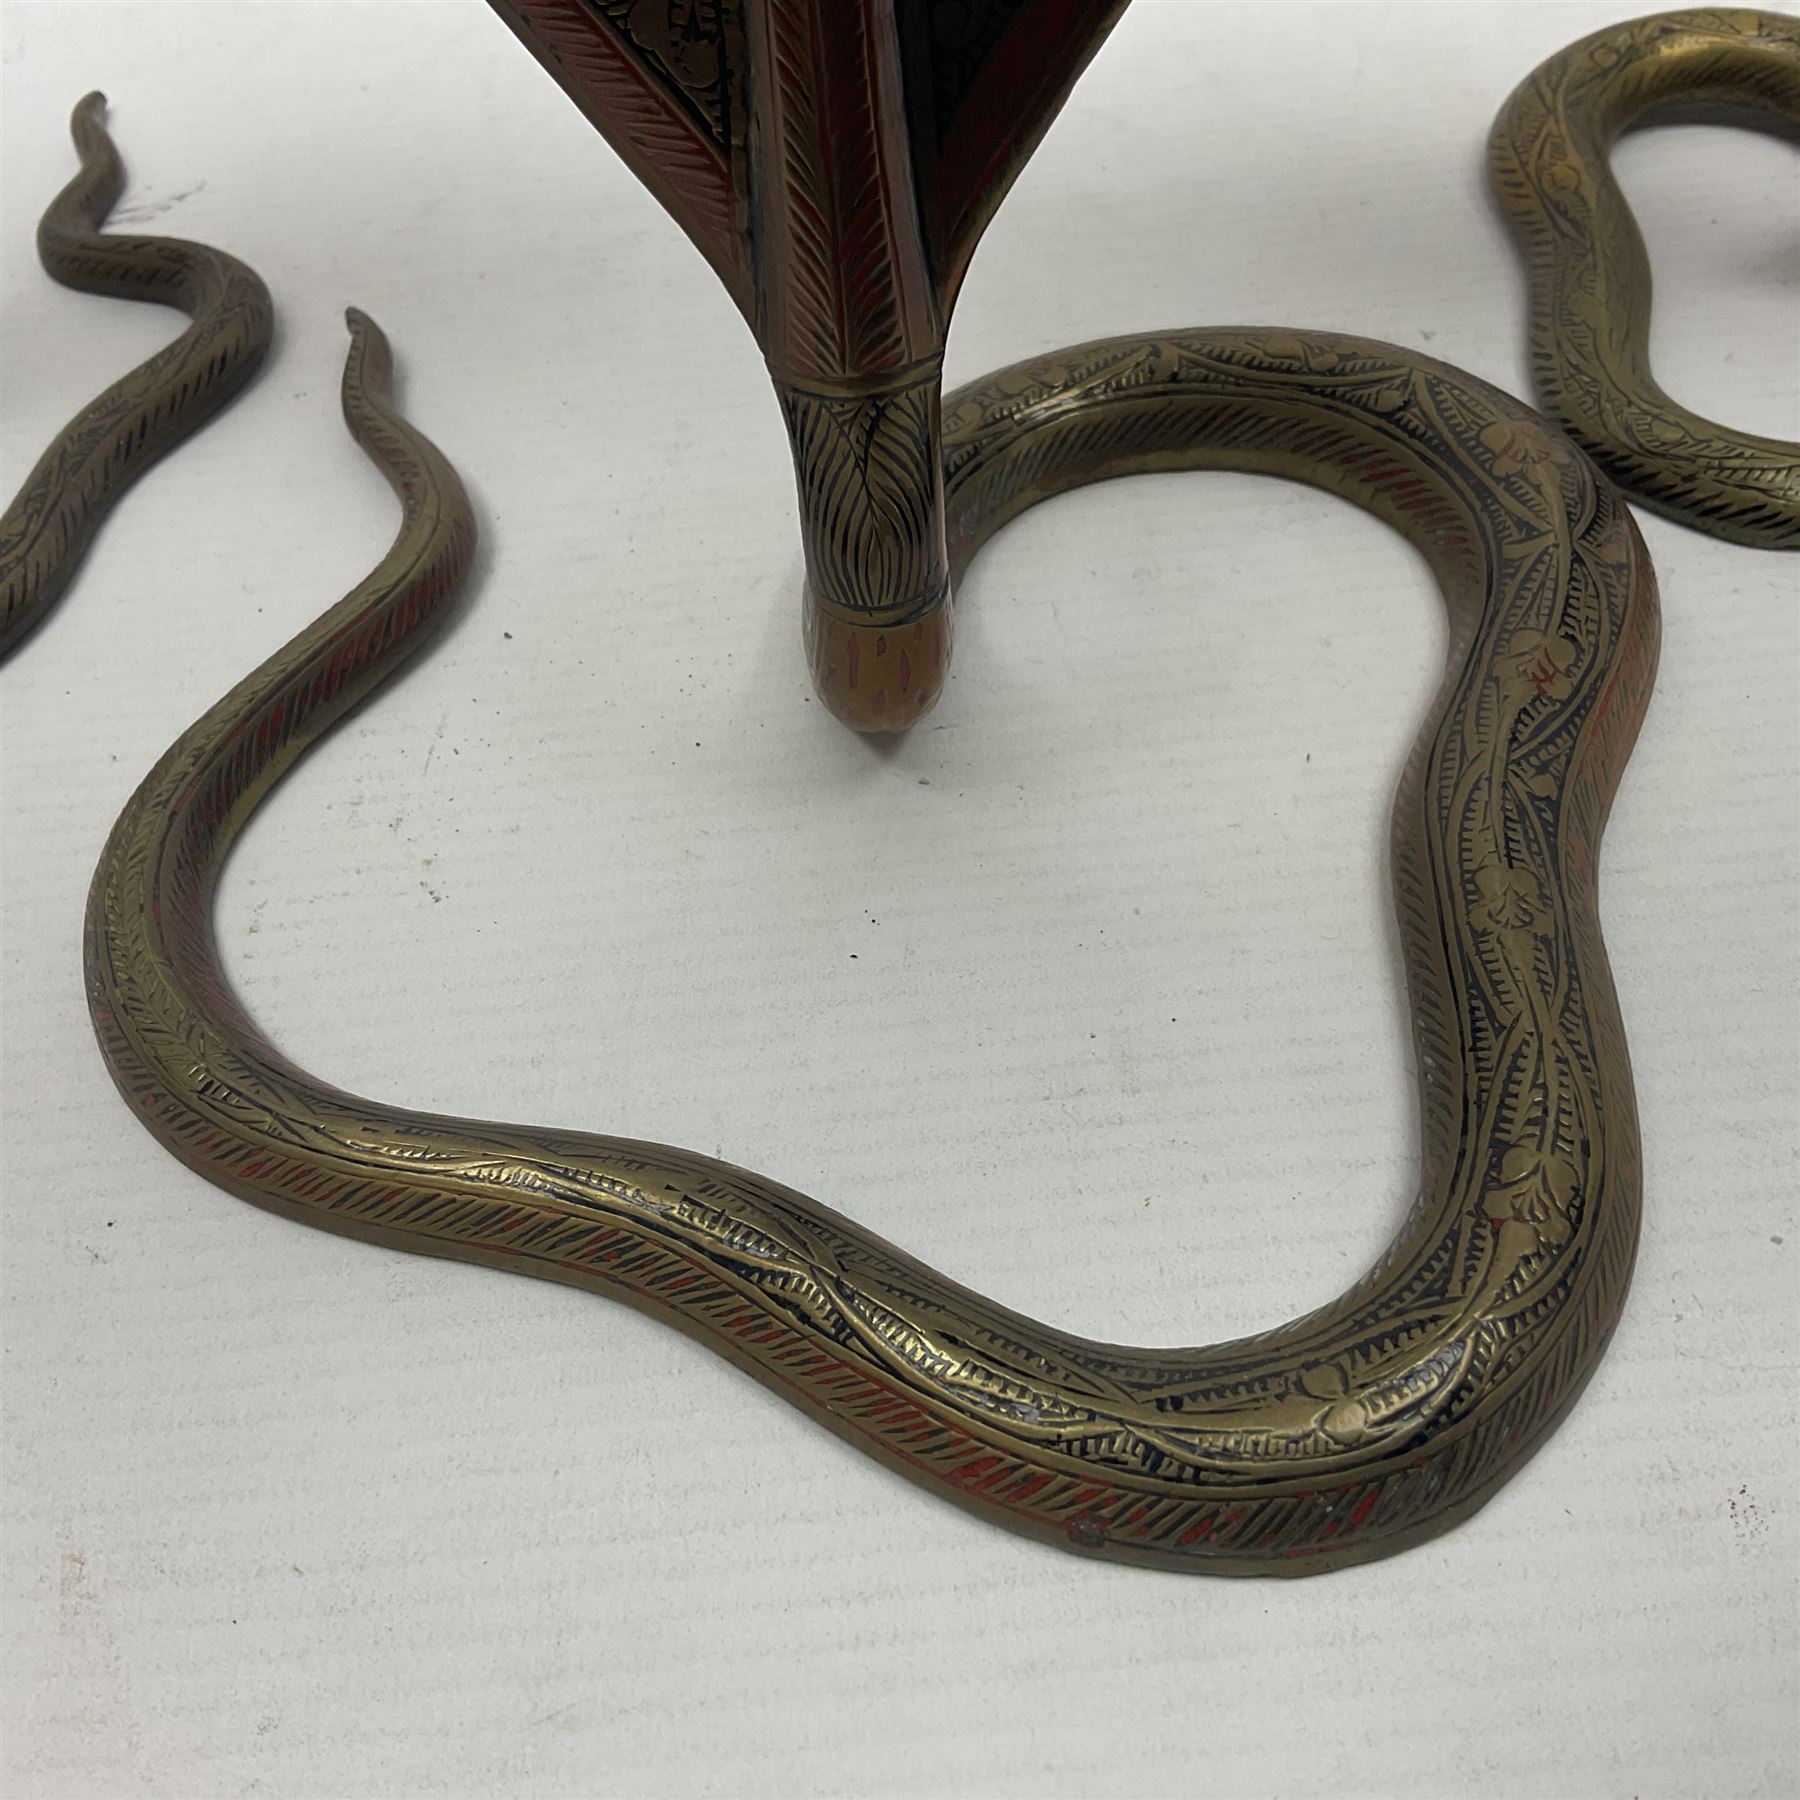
(868, 459)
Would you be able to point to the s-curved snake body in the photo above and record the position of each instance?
(47, 529)
(1344, 1435)
(1589, 274)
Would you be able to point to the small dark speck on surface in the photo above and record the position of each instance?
(1773, 1240)
(506, 634)
(853, 956)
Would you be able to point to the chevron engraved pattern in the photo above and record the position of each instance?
(1345, 1435)
(675, 136)
(869, 471)
(693, 46)
(1589, 275)
(845, 289)
(121, 432)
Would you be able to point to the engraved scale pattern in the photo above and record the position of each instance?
(844, 289)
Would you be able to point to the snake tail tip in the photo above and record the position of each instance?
(366, 337)
(369, 363)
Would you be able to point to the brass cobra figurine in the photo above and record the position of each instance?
(1347, 1434)
(117, 436)
(1590, 277)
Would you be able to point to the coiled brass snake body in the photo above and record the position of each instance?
(1588, 272)
(1345, 1435)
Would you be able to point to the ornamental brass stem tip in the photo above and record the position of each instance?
(869, 466)
(874, 677)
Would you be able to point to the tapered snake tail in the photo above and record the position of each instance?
(1348, 1434)
(1588, 273)
(116, 437)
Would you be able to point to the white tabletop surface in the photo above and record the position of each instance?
(289, 1515)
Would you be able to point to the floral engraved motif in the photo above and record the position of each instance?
(1536, 664)
(1511, 903)
(1530, 1201)
(1320, 358)
(1345, 1418)
(1562, 178)
(684, 40)
(1519, 446)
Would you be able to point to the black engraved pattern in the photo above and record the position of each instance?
(964, 35)
(1589, 274)
(691, 45)
(870, 502)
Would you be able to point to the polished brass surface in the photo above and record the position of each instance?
(836, 162)
(1347, 1434)
(117, 436)
(1589, 275)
